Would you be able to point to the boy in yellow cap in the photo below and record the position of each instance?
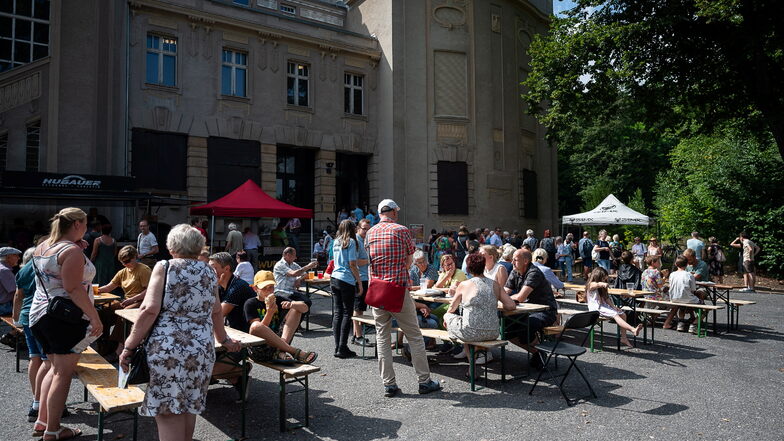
(274, 319)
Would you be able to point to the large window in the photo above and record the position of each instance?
(294, 176)
(3, 150)
(231, 162)
(161, 60)
(24, 32)
(33, 145)
(297, 86)
(452, 187)
(352, 93)
(234, 73)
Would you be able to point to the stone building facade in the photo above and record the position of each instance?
(325, 104)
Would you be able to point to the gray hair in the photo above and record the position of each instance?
(507, 251)
(419, 254)
(289, 250)
(232, 226)
(223, 259)
(185, 240)
(28, 254)
(529, 233)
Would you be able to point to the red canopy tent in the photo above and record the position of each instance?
(249, 200)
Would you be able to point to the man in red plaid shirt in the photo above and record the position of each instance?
(390, 249)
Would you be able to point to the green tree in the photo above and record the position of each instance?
(686, 66)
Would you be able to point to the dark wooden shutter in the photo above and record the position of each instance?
(231, 162)
(452, 187)
(530, 192)
(159, 160)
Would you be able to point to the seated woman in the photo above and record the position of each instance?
(628, 272)
(133, 279)
(244, 268)
(540, 256)
(478, 300)
(493, 270)
(507, 251)
(599, 300)
(450, 276)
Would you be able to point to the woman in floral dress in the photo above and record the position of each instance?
(180, 349)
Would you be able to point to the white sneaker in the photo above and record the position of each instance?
(463, 354)
(484, 357)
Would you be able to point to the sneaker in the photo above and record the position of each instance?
(746, 290)
(462, 354)
(692, 328)
(483, 358)
(445, 348)
(32, 415)
(682, 326)
(362, 341)
(391, 390)
(430, 386)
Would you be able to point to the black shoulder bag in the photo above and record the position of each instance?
(60, 307)
(140, 370)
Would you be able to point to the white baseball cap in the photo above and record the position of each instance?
(387, 203)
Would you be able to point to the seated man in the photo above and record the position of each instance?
(288, 275)
(274, 319)
(422, 269)
(233, 292)
(528, 284)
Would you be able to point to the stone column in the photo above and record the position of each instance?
(269, 160)
(197, 168)
(324, 194)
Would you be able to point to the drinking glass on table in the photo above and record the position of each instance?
(423, 284)
(630, 288)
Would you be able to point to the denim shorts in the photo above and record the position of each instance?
(33, 347)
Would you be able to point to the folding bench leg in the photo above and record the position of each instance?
(100, 423)
(282, 402)
(471, 366)
(135, 423)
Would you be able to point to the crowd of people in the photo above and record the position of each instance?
(185, 302)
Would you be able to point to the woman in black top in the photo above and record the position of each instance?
(603, 248)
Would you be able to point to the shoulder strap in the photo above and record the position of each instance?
(41, 279)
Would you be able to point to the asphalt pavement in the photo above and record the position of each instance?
(724, 387)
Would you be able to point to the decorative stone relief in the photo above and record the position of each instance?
(20, 91)
(206, 43)
(192, 37)
(261, 54)
(495, 23)
(323, 66)
(275, 61)
(373, 75)
(451, 14)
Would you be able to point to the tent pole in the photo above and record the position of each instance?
(310, 246)
(212, 233)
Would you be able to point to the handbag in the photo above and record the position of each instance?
(139, 371)
(385, 295)
(60, 307)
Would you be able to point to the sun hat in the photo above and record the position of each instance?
(263, 278)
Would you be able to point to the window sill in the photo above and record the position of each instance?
(303, 109)
(238, 99)
(355, 117)
(455, 119)
(162, 88)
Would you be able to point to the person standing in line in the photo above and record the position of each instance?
(94, 233)
(359, 301)
(103, 255)
(750, 251)
(530, 240)
(294, 227)
(9, 258)
(585, 248)
(146, 244)
(602, 247)
(548, 244)
(233, 241)
(251, 245)
(390, 248)
(564, 254)
(696, 244)
(639, 250)
(358, 213)
(346, 284)
(716, 258)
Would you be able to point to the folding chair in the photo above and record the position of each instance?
(583, 320)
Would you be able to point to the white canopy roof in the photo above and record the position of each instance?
(610, 212)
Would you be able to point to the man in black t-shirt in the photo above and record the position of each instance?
(233, 291)
(528, 284)
(270, 316)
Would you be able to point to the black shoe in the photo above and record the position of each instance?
(536, 361)
(362, 341)
(391, 390)
(445, 348)
(32, 415)
(345, 353)
(8, 340)
(430, 386)
(66, 413)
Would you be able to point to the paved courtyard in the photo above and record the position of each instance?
(722, 387)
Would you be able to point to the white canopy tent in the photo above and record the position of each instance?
(610, 212)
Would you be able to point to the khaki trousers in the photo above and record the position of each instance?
(407, 322)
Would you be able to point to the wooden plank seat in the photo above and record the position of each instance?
(366, 320)
(291, 374)
(99, 378)
(569, 302)
(735, 305)
(700, 309)
(18, 334)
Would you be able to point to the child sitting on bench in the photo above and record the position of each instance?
(599, 300)
(683, 289)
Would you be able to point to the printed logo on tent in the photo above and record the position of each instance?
(609, 208)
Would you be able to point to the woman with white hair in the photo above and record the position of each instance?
(183, 296)
(539, 258)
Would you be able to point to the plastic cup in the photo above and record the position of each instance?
(95, 289)
(321, 274)
(423, 284)
(311, 274)
(630, 288)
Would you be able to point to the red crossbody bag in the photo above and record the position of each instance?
(385, 295)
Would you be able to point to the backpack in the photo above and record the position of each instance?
(586, 248)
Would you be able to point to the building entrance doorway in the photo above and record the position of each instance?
(351, 182)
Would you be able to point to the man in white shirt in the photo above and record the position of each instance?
(495, 239)
(251, 243)
(288, 275)
(146, 244)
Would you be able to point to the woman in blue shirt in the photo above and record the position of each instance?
(345, 285)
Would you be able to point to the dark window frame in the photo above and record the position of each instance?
(452, 187)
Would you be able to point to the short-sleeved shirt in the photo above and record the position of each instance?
(700, 268)
(250, 241)
(389, 244)
(542, 293)
(457, 277)
(682, 287)
(145, 243)
(133, 281)
(415, 274)
(531, 242)
(362, 255)
(257, 309)
(748, 250)
(604, 255)
(564, 252)
(651, 279)
(639, 249)
(245, 272)
(283, 282)
(7, 284)
(696, 245)
(343, 259)
(582, 247)
(237, 292)
(495, 240)
(25, 280)
(358, 213)
(234, 242)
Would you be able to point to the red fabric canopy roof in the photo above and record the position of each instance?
(249, 200)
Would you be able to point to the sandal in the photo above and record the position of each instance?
(309, 357)
(283, 358)
(38, 433)
(57, 435)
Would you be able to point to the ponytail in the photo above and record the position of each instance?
(62, 222)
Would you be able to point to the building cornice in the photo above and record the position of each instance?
(264, 31)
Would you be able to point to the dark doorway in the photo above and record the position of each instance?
(351, 182)
(231, 162)
(294, 179)
(152, 149)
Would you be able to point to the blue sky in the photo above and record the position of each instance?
(561, 5)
